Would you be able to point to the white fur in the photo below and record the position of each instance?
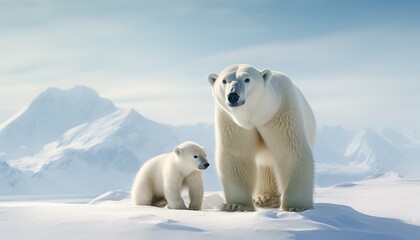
(162, 179)
(263, 143)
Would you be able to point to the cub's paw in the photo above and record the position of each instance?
(267, 201)
(232, 207)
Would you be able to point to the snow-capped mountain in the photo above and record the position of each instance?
(101, 155)
(374, 151)
(52, 113)
(347, 155)
(116, 141)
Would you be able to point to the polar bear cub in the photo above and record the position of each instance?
(160, 180)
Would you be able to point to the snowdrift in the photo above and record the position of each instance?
(385, 207)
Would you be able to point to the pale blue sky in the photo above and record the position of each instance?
(357, 62)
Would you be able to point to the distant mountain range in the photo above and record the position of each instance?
(74, 141)
(347, 155)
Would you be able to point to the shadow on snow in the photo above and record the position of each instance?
(342, 222)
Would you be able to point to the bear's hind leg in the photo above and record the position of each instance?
(296, 184)
(266, 194)
(142, 195)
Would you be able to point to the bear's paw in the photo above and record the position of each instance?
(293, 209)
(267, 201)
(233, 207)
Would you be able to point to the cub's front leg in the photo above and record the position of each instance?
(172, 186)
(195, 190)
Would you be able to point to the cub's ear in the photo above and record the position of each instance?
(177, 150)
(212, 78)
(267, 75)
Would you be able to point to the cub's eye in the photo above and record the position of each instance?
(247, 80)
(195, 156)
(224, 81)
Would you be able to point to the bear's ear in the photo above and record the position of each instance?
(177, 150)
(266, 74)
(212, 78)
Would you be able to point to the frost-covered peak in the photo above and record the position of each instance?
(120, 140)
(370, 138)
(373, 149)
(90, 134)
(80, 100)
(49, 115)
(394, 137)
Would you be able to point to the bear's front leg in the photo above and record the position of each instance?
(195, 190)
(236, 149)
(238, 180)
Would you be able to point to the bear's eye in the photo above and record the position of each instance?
(195, 156)
(224, 81)
(247, 80)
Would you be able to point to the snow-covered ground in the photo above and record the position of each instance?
(385, 207)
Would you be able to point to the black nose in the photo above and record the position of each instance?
(206, 165)
(233, 97)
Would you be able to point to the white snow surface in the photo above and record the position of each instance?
(385, 207)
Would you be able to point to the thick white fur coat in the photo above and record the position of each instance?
(263, 147)
(160, 181)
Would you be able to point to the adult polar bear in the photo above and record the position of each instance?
(265, 130)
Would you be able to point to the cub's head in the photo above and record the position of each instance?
(191, 156)
(238, 86)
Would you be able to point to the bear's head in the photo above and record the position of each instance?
(239, 90)
(191, 156)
